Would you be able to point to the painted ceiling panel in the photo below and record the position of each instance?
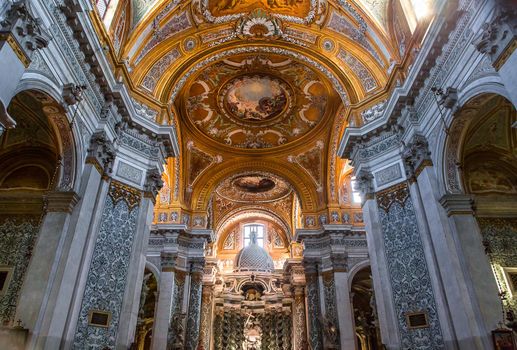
(140, 8)
(378, 9)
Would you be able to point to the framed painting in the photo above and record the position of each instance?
(503, 339)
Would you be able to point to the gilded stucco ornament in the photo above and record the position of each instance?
(257, 101)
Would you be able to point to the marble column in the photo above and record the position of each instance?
(403, 249)
(165, 305)
(299, 319)
(116, 266)
(468, 244)
(345, 312)
(136, 267)
(388, 322)
(109, 270)
(54, 315)
(176, 333)
(46, 253)
(207, 306)
(21, 33)
(315, 337)
(455, 249)
(194, 304)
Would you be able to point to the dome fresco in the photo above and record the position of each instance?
(277, 101)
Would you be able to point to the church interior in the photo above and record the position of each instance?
(266, 174)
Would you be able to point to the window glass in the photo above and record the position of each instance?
(254, 230)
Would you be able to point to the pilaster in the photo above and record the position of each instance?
(456, 280)
(77, 245)
(299, 319)
(345, 312)
(45, 257)
(165, 305)
(135, 269)
(207, 306)
(466, 243)
(388, 322)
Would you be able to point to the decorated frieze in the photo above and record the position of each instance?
(357, 67)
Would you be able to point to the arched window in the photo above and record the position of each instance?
(416, 10)
(256, 231)
(106, 10)
(356, 195)
(102, 7)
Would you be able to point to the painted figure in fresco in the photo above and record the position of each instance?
(227, 4)
(231, 4)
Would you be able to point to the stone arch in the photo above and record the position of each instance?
(70, 150)
(154, 269)
(355, 269)
(209, 180)
(450, 146)
(227, 219)
(46, 111)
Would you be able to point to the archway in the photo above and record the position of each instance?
(146, 311)
(365, 312)
(36, 157)
(488, 158)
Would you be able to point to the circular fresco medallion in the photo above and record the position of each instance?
(254, 98)
(255, 187)
(275, 101)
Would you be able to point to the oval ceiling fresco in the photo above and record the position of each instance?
(254, 187)
(254, 101)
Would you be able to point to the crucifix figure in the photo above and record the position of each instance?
(250, 316)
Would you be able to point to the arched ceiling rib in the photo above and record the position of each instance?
(171, 33)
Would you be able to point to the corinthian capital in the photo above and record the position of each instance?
(364, 183)
(101, 153)
(498, 38)
(27, 30)
(416, 156)
(153, 183)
